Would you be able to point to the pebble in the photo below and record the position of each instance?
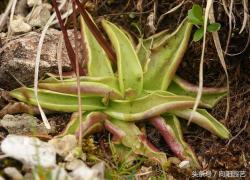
(39, 16)
(64, 145)
(13, 173)
(23, 124)
(31, 151)
(18, 25)
(94, 173)
(72, 165)
(184, 164)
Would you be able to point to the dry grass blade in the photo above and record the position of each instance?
(246, 22)
(168, 12)
(59, 56)
(37, 62)
(5, 14)
(12, 15)
(96, 32)
(77, 73)
(225, 7)
(199, 93)
(221, 57)
(230, 25)
(246, 19)
(70, 51)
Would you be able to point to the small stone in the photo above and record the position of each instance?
(86, 173)
(83, 157)
(47, 6)
(72, 165)
(18, 25)
(13, 173)
(18, 58)
(32, 3)
(184, 164)
(31, 151)
(64, 145)
(23, 124)
(2, 34)
(39, 16)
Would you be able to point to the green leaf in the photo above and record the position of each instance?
(213, 27)
(92, 122)
(202, 118)
(210, 96)
(97, 61)
(136, 140)
(198, 35)
(197, 11)
(170, 129)
(55, 101)
(130, 73)
(144, 47)
(165, 58)
(103, 87)
(147, 106)
(195, 15)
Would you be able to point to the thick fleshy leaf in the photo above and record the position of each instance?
(145, 45)
(210, 96)
(147, 106)
(92, 122)
(110, 81)
(57, 101)
(130, 73)
(170, 129)
(202, 118)
(87, 88)
(97, 61)
(137, 141)
(122, 153)
(165, 58)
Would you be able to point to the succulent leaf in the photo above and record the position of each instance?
(202, 118)
(87, 88)
(129, 69)
(97, 61)
(137, 141)
(55, 101)
(210, 96)
(147, 106)
(145, 45)
(170, 129)
(166, 57)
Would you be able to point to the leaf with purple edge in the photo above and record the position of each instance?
(170, 129)
(202, 118)
(166, 57)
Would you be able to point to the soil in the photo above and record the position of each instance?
(215, 154)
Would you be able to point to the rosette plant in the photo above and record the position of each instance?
(141, 87)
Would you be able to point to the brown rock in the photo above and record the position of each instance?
(18, 58)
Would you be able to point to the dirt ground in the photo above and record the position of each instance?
(215, 154)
